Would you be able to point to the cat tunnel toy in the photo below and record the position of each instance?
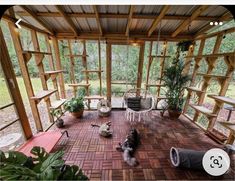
(185, 158)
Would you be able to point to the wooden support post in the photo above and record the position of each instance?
(38, 60)
(72, 64)
(52, 67)
(13, 87)
(99, 74)
(211, 62)
(25, 75)
(196, 67)
(109, 70)
(149, 64)
(84, 60)
(188, 60)
(162, 64)
(140, 67)
(223, 89)
(59, 67)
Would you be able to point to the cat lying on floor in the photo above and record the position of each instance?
(104, 129)
(129, 146)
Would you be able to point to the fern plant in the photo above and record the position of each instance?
(175, 81)
(42, 166)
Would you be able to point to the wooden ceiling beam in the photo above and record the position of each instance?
(158, 19)
(131, 11)
(119, 16)
(98, 19)
(67, 19)
(121, 36)
(186, 22)
(34, 15)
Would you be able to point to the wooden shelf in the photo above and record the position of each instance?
(212, 55)
(216, 135)
(58, 103)
(223, 99)
(154, 85)
(203, 110)
(53, 72)
(76, 55)
(159, 56)
(43, 94)
(93, 97)
(37, 52)
(188, 117)
(92, 71)
(212, 75)
(195, 89)
(123, 83)
(79, 85)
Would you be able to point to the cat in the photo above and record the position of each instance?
(129, 146)
(104, 129)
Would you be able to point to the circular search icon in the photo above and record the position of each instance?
(216, 162)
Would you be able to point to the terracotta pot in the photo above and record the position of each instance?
(78, 114)
(175, 114)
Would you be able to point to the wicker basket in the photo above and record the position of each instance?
(104, 108)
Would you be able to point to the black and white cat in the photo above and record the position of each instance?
(129, 146)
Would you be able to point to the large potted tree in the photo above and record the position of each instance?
(75, 106)
(175, 81)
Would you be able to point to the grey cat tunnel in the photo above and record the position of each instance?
(185, 158)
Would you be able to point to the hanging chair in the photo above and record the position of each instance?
(104, 108)
(139, 103)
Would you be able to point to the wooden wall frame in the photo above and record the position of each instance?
(13, 87)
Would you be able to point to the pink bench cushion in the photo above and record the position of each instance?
(46, 140)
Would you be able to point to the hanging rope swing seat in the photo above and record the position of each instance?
(139, 104)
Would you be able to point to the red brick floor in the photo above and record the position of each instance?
(98, 158)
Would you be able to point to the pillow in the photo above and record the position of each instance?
(133, 103)
(146, 103)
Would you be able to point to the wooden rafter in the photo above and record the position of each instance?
(129, 20)
(98, 19)
(119, 16)
(68, 20)
(158, 19)
(186, 22)
(29, 11)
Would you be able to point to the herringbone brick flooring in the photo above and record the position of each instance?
(98, 158)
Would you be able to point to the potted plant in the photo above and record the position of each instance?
(184, 45)
(42, 166)
(59, 121)
(175, 81)
(75, 106)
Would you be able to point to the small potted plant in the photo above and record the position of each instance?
(59, 121)
(75, 106)
(184, 45)
(175, 81)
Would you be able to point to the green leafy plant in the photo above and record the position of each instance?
(75, 104)
(175, 81)
(42, 166)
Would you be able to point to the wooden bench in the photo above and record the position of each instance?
(47, 140)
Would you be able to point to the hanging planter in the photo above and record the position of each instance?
(184, 45)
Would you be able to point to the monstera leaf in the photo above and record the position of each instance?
(14, 172)
(72, 173)
(43, 166)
